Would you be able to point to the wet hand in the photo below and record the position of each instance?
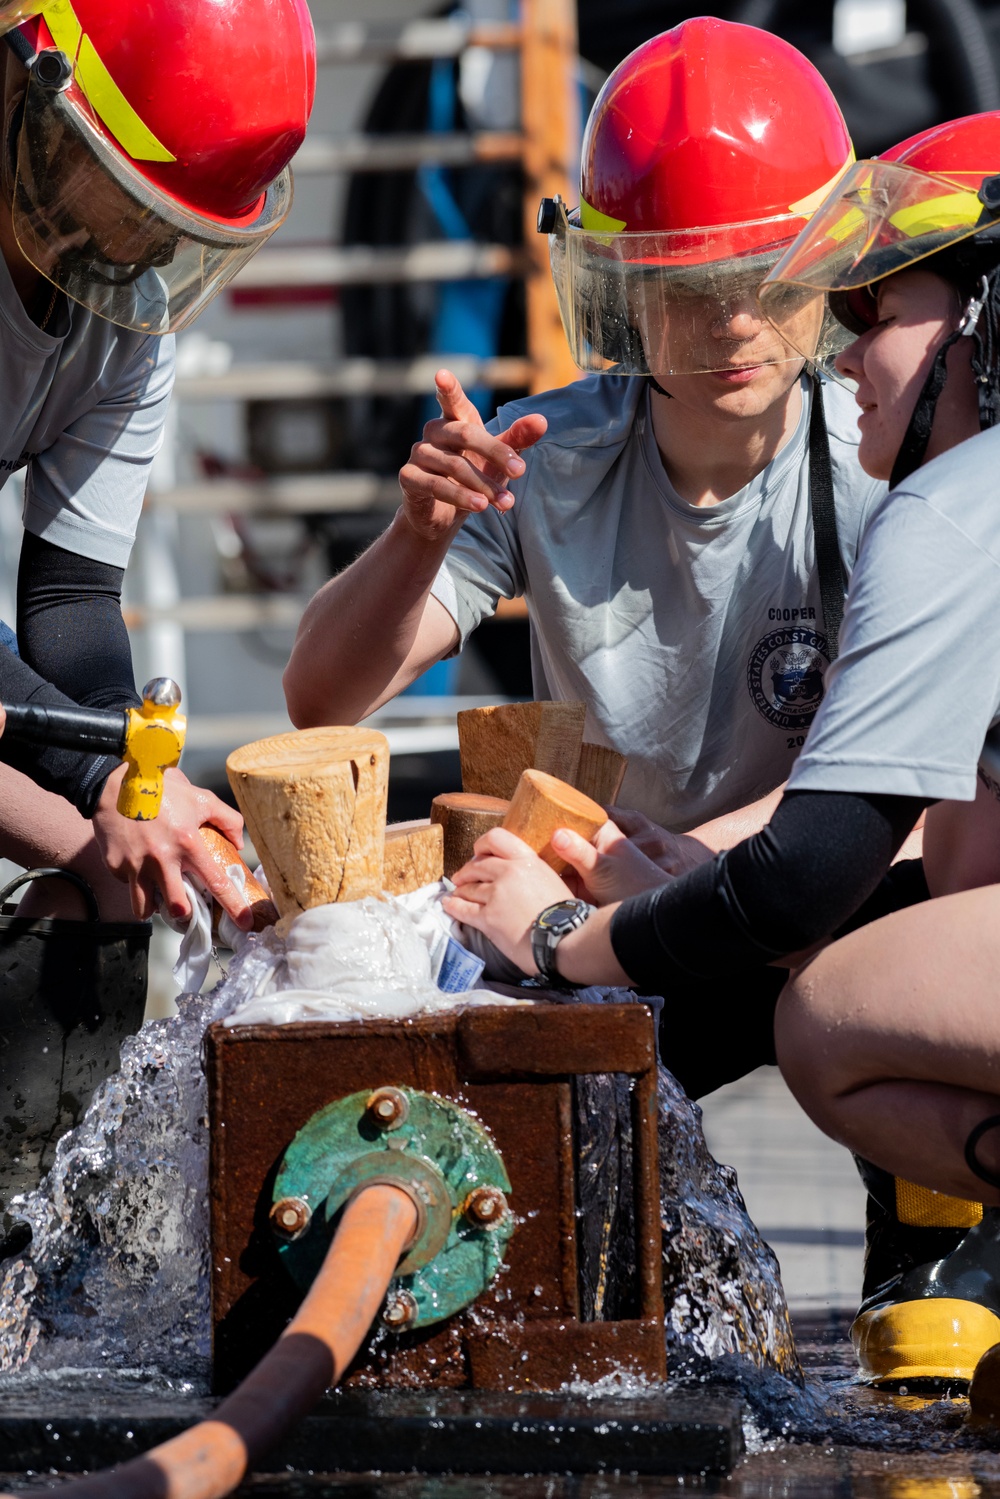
(458, 468)
(501, 891)
(152, 856)
(672, 853)
(610, 869)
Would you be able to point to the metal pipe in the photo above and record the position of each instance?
(312, 1353)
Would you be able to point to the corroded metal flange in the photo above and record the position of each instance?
(435, 1151)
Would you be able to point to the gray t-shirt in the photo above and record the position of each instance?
(82, 409)
(913, 702)
(695, 635)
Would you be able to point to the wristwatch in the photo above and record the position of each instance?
(548, 930)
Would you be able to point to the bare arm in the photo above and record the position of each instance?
(962, 843)
(370, 631)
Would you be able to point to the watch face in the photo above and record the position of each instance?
(565, 914)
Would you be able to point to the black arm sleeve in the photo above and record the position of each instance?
(821, 857)
(74, 648)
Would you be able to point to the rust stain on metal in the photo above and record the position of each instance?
(512, 1069)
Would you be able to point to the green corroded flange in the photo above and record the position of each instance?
(441, 1153)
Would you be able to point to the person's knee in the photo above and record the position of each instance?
(805, 1039)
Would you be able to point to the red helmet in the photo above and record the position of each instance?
(966, 151)
(921, 198)
(704, 154)
(933, 201)
(155, 143)
(715, 125)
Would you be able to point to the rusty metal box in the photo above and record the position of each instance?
(518, 1069)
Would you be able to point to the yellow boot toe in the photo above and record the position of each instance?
(931, 1338)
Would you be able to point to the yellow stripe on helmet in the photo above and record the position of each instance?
(106, 98)
(597, 222)
(957, 210)
(809, 204)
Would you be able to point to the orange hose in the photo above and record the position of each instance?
(311, 1355)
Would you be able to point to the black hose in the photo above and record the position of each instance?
(955, 31)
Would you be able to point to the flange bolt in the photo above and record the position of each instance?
(388, 1108)
(485, 1207)
(290, 1218)
(399, 1311)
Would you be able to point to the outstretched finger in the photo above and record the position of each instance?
(455, 404)
(524, 432)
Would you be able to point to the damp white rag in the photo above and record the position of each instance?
(361, 959)
(195, 957)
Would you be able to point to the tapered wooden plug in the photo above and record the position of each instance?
(224, 856)
(464, 817)
(314, 803)
(414, 856)
(541, 804)
(600, 773)
(496, 744)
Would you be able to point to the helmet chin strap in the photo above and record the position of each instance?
(913, 448)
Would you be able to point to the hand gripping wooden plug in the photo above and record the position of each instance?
(149, 739)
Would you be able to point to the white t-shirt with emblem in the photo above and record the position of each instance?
(913, 702)
(82, 409)
(695, 635)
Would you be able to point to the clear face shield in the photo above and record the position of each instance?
(671, 303)
(16, 12)
(883, 218)
(92, 224)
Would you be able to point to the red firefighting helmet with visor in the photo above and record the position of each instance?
(153, 147)
(924, 197)
(933, 201)
(704, 154)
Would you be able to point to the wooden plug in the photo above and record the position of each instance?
(464, 817)
(414, 855)
(314, 803)
(224, 853)
(541, 804)
(600, 773)
(496, 744)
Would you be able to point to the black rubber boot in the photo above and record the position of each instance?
(931, 1287)
(70, 992)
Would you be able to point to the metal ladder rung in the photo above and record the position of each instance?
(300, 494)
(405, 153)
(354, 41)
(352, 377)
(434, 260)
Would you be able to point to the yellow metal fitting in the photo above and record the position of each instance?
(153, 743)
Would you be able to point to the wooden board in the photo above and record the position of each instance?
(414, 856)
(600, 773)
(496, 744)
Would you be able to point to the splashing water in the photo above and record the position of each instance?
(117, 1279)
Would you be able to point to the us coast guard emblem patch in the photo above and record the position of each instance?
(785, 676)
